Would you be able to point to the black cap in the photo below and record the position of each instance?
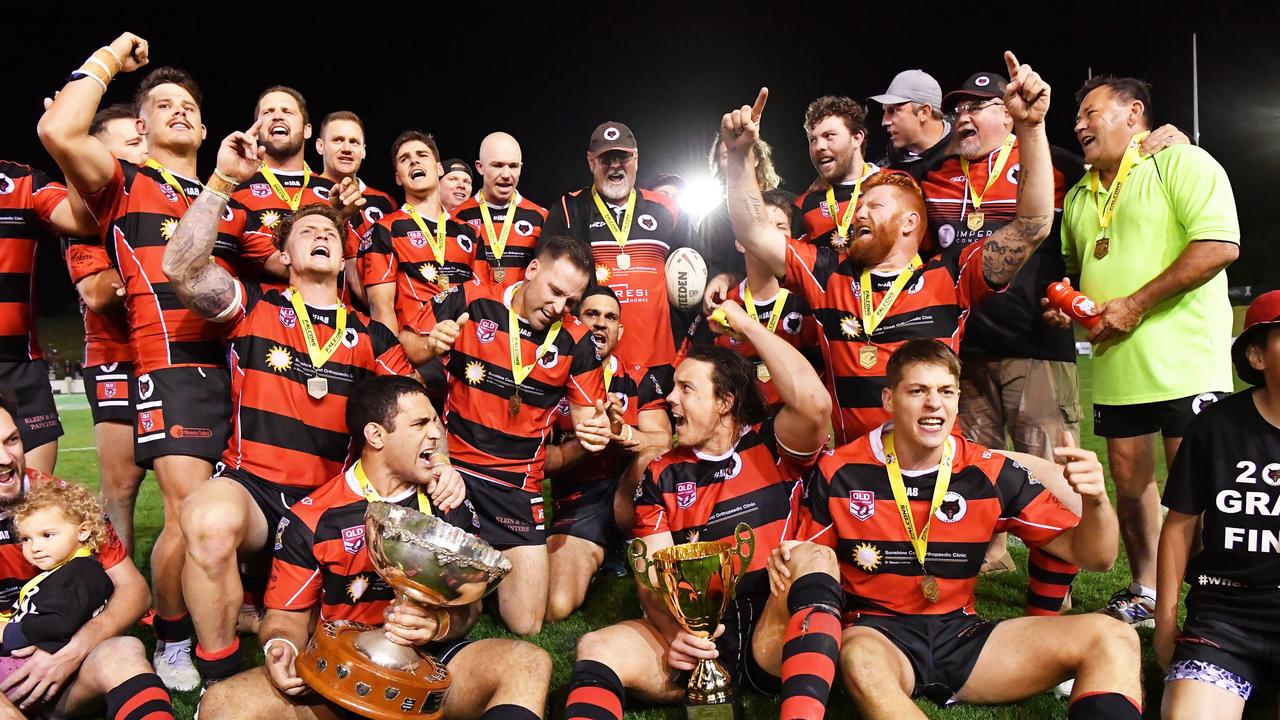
(456, 164)
(979, 85)
(611, 135)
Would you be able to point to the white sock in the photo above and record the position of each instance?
(1142, 590)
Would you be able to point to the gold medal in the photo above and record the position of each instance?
(442, 279)
(929, 588)
(867, 356)
(1101, 248)
(840, 242)
(317, 387)
(624, 261)
(499, 275)
(514, 403)
(762, 373)
(975, 220)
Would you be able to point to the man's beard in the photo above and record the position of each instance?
(840, 169)
(283, 149)
(868, 252)
(614, 193)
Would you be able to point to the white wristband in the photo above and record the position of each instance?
(286, 641)
(94, 59)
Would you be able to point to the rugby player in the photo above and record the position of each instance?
(588, 499)
(732, 465)
(507, 223)
(879, 293)
(455, 183)
(418, 251)
(108, 360)
(100, 662)
(511, 355)
(322, 571)
(295, 357)
(908, 510)
(836, 128)
(183, 392)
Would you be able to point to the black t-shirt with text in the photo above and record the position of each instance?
(1228, 468)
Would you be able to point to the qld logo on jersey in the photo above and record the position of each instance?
(288, 318)
(686, 494)
(353, 539)
(416, 238)
(169, 193)
(486, 331)
(862, 504)
(260, 190)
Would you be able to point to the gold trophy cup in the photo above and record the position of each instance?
(696, 581)
(430, 563)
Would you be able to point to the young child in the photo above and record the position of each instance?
(61, 527)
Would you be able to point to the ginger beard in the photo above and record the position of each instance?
(872, 242)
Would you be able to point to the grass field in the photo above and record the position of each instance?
(612, 599)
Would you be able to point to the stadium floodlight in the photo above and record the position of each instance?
(700, 196)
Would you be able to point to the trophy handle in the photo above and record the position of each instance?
(743, 535)
(638, 554)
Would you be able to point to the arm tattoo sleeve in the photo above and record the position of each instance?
(200, 283)
(1007, 250)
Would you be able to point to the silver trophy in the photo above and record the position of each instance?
(429, 563)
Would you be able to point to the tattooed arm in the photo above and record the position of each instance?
(1007, 250)
(739, 131)
(200, 283)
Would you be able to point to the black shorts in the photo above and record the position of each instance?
(1206, 646)
(735, 647)
(508, 516)
(942, 648)
(272, 499)
(585, 512)
(37, 419)
(110, 392)
(1168, 417)
(181, 411)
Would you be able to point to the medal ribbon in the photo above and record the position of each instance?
(608, 373)
(919, 541)
(871, 318)
(518, 369)
(436, 239)
(319, 355)
(1001, 159)
(845, 220)
(1131, 154)
(169, 179)
(774, 314)
(371, 495)
(278, 189)
(30, 584)
(498, 242)
(620, 235)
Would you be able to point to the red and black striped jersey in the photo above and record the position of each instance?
(796, 326)
(27, 201)
(320, 556)
(396, 250)
(659, 228)
(849, 507)
(15, 571)
(264, 209)
(520, 243)
(278, 431)
(485, 439)
(638, 390)
(106, 337)
(934, 304)
(812, 220)
(1010, 325)
(702, 498)
(137, 212)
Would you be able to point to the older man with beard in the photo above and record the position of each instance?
(879, 294)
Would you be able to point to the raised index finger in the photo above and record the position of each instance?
(1011, 63)
(253, 129)
(758, 109)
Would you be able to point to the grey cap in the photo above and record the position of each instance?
(915, 86)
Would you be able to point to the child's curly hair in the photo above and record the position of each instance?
(77, 504)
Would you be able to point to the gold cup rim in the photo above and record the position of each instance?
(691, 551)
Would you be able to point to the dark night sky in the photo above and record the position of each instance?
(549, 73)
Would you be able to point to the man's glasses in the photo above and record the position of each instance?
(973, 107)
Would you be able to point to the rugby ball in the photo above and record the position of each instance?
(686, 278)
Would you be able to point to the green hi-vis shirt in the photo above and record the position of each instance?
(1183, 345)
